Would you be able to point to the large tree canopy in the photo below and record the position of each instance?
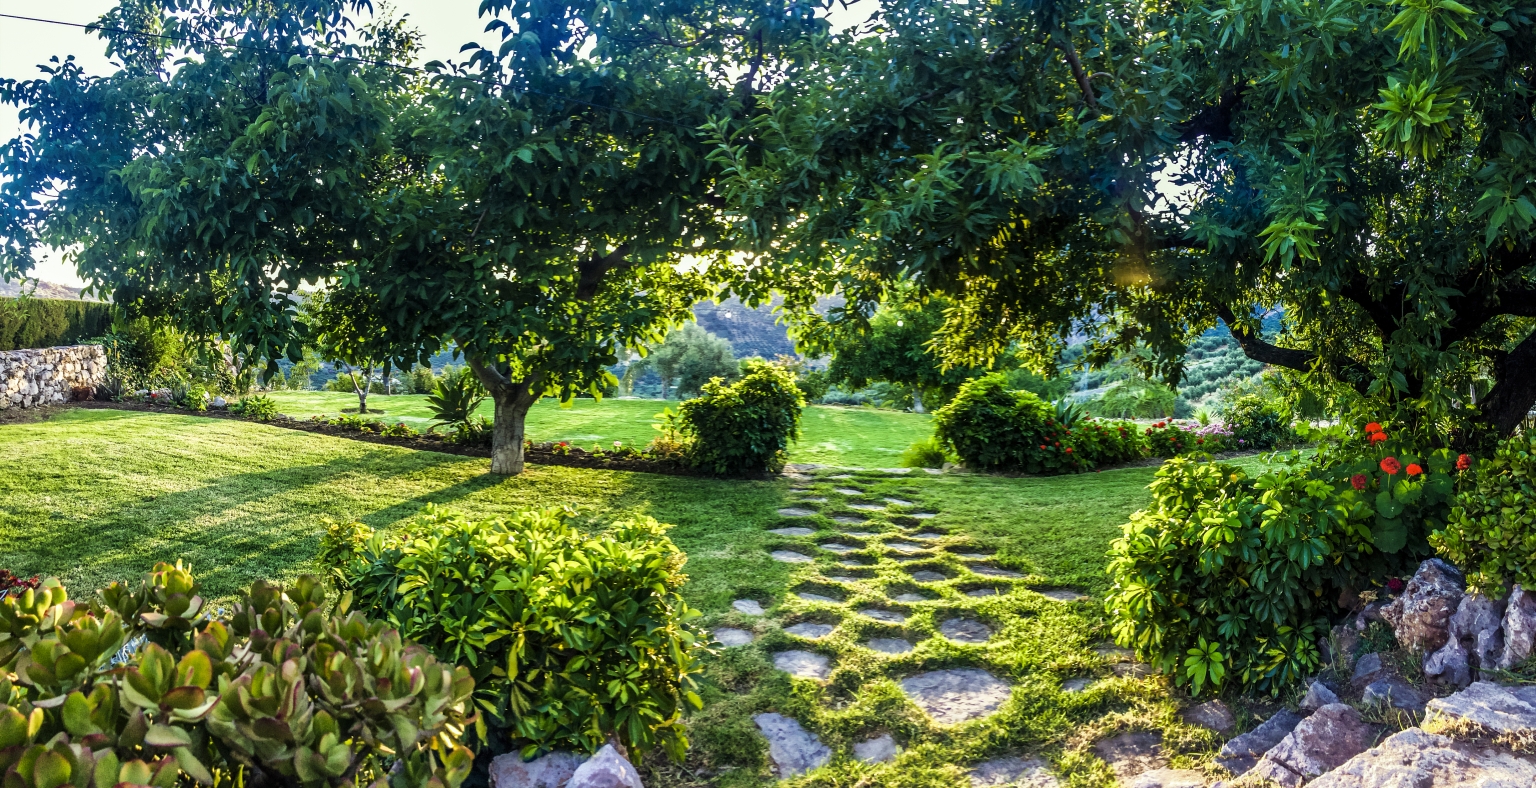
(531, 206)
(1136, 171)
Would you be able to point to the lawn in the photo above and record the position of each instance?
(859, 437)
(92, 496)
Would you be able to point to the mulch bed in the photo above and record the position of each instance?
(575, 458)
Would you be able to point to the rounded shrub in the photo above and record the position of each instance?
(1491, 530)
(1257, 423)
(1108, 442)
(742, 428)
(990, 427)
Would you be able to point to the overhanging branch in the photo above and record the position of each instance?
(1347, 371)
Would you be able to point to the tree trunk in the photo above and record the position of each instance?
(1512, 396)
(663, 386)
(360, 391)
(917, 400)
(512, 400)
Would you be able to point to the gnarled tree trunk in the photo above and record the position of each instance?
(512, 399)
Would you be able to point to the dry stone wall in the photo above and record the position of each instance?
(29, 378)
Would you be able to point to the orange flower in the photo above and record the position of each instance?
(1378, 437)
(1414, 469)
(1391, 466)
(1372, 427)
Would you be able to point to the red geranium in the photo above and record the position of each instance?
(1358, 481)
(1372, 427)
(1391, 466)
(1463, 462)
(1378, 437)
(1414, 469)
(1069, 449)
(1042, 447)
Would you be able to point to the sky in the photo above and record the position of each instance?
(446, 25)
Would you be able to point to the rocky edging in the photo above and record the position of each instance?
(48, 376)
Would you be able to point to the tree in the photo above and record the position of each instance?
(690, 355)
(530, 207)
(893, 346)
(342, 334)
(1134, 173)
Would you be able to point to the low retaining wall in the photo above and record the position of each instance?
(45, 376)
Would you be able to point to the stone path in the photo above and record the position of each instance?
(1014, 771)
(959, 695)
(793, 749)
(803, 664)
(731, 638)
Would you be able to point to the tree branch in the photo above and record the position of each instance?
(1084, 84)
(1257, 349)
(1215, 121)
(590, 273)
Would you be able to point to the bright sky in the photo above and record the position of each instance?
(446, 25)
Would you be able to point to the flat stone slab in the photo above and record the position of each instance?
(867, 507)
(910, 597)
(809, 630)
(860, 534)
(889, 645)
(814, 499)
(1062, 594)
(731, 637)
(793, 749)
(848, 519)
(841, 476)
(1167, 778)
(810, 597)
(803, 664)
(928, 576)
(877, 750)
(986, 570)
(854, 564)
(973, 556)
(895, 471)
(1423, 760)
(1132, 753)
(1213, 715)
(965, 630)
(847, 491)
(1014, 771)
(1076, 685)
(983, 592)
(1508, 710)
(930, 535)
(796, 511)
(791, 557)
(959, 695)
(899, 502)
(923, 515)
(842, 579)
(793, 530)
(906, 547)
(748, 607)
(1131, 670)
(837, 547)
(884, 616)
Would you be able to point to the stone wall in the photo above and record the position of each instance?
(29, 378)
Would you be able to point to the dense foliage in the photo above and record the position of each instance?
(989, 426)
(1107, 442)
(50, 322)
(1491, 530)
(891, 346)
(570, 636)
(279, 693)
(1257, 423)
(742, 428)
(685, 361)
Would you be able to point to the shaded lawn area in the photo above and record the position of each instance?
(862, 437)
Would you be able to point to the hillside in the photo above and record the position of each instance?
(42, 290)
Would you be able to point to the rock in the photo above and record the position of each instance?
(794, 530)
(1450, 664)
(219, 403)
(957, 695)
(889, 645)
(1416, 759)
(1393, 692)
(837, 547)
(803, 664)
(606, 769)
(884, 616)
(796, 511)
(909, 598)
(991, 571)
(1507, 710)
(790, 557)
(1076, 685)
(1519, 627)
(42, 376)
(793, 749)
(807, 596)
(1168, 778)
(549, 771)
(1130, 754)
(810, 630)
(1319, 744)
(1488, 650)
(876, 750)
(1062, 594)
(1421, 616)
(747, 607)
(1014, 772)
(1345, 639)
(965, 630)
(1318, 696)
(1132, 670)
(978, 592)
(1476, 614)
(1241, 753)
(905, 547)
(731, 637)
(1211, 715)
(899, 502)
(1367, 669)
(928, 576)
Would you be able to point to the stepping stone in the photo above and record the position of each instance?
(847, 491)
(1062, 594)
(1130, 754)
(814, 499)
(1076, 685)
(934, 471)
(877, 750)
(1014, 772)
(965, 630)
(910, 597)
(799, 477)
(1169, 778)
(853, 564)
(1133, 670)
(951, 697)
(905, 547)
(923, 515)
(907, 559)
(848, 519)
(1213, 715)
(793, 750)
(860, 534)
(929, 535)
(991, 571)
(928, 576)
(748, 607)
(896, 471)
(836, 547)
(884, 616)
(841, 476)
(979, 592)
(867, 507)
(731, 638)
(803, 664)
(842, 579)
(809, 597)
(889, 645)
(794, 530)
(809, 630)
(1114, 653)
(973, 556)
(899, 502)
(796, 511)
(791, 557)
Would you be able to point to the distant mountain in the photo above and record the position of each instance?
(43, 290)
(752, 332)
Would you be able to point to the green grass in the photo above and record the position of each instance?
(93, 496)
(859, 437)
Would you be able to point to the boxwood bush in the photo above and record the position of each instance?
(990, 427)
(570, 636)
(742, 428)
(1491, 530)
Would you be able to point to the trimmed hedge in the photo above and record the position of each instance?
(50, 322)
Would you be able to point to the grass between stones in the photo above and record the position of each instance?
(92, 496)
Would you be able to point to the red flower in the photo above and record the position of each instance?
(1069, 449)
(1378, 437)
(1042, 447)
(1357, 481)
(1058, 444)
(1463, 462)
(1372, 427)
(1199, 440)
(1414, 469)
(1391, 466)
(1395, 585)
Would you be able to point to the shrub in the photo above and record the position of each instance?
(742, 428)
(257, 408)
(50, 322)
(280, 693)
(193, 397)
(1491, 532)
(927, 453)
(1108, 442)
(1166, 439)
(1257, 423)
(987, 426)
(474, 432)
(454, 399)
(570, 636)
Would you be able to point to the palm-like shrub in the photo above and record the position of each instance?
(454, 399)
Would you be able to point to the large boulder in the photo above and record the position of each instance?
(1416, 759)
(606, 769)
(1476, 641)
(1505, 710)
(552, 770)
(1319, 744)
(1519, 627)
(1242, 752)
(1450, 665)
(1421, 616)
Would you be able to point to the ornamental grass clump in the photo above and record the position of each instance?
(571, 636)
